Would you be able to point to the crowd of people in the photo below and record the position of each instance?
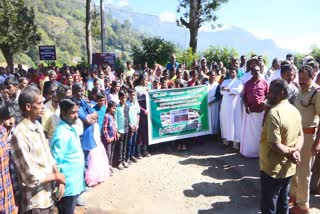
(65, 129)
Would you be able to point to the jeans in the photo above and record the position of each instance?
(86, 158)
(122, 148)
(110, 153)
(131, 144)
(67, 204)
(274, 194)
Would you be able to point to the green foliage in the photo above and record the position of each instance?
(17, 28)
(153, 50)
(187, 57)
(205, 10)
(298, 59)
(217, 54)
(315, 52)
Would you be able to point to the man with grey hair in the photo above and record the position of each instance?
(36, 169)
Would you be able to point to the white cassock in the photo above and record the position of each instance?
(231, 110)
(214, 108)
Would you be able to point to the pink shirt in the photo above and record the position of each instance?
(255, 93)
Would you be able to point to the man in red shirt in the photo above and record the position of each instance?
(255, 92)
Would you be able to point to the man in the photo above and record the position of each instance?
(281, 142)
(287, 74)
(173, 64)
(230, 113)
(50, 117)
(7, 205)
(21, 72)
(52, 81)
(274, 71)
(36, 169)
(308, 104)
(290, 58)
(130, 71)
(88, 117)
(66, 150)
(12, 85)
(243, 60)
(255, 92)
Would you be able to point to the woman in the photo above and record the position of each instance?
(114, 91)
(142, 138)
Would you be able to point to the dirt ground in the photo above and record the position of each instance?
(208, 178)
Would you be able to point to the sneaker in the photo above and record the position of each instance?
(120, 167)
(298, 210)
(134, 160)
(81, 202)
(139, 156)
(129, 162)
(146, 154)
(125, 164)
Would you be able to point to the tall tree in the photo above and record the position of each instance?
(195, 13)
(18, 31)
(88, 30)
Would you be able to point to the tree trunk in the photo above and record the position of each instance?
(88, 30)
(8, 55)
(194, 24)
(193, 39)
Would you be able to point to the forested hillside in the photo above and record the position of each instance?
(62, 23)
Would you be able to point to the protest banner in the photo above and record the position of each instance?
(103, 58)
(47, 52)
(178, 113)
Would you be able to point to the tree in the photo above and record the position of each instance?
(198, 12)
(88, 30)
(153, 50)
(216, 54)
(187, 57)
(17, 28)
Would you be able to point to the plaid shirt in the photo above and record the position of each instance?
(33, 162)
(7, 203)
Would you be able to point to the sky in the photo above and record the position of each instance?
(291, 24)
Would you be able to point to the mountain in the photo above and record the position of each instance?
(234, 37)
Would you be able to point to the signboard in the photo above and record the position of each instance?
(103, 58)
(47, 52)
(178, 113)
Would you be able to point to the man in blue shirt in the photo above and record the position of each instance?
(67, 152)
(173, 64)
(88, 117)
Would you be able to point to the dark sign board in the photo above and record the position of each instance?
(103, 58)
(47, 52)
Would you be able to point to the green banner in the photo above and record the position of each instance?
(178, 113)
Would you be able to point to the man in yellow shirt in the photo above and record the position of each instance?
(279, 149)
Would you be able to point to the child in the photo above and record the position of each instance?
(101, 109)
(121, 116)
(134, 111)
(110, 133)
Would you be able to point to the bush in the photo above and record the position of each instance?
(223, 54)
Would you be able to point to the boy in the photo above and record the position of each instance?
(100, 108)
(134, 111)
(122, 114)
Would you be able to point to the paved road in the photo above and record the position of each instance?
(208, 178)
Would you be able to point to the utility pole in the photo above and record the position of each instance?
(103, 29)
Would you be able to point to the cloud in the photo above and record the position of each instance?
(301, 42)
(119, 3)
(167, 16)
(122, 3)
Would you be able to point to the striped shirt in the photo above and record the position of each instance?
(7, 203)
(34, 162)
